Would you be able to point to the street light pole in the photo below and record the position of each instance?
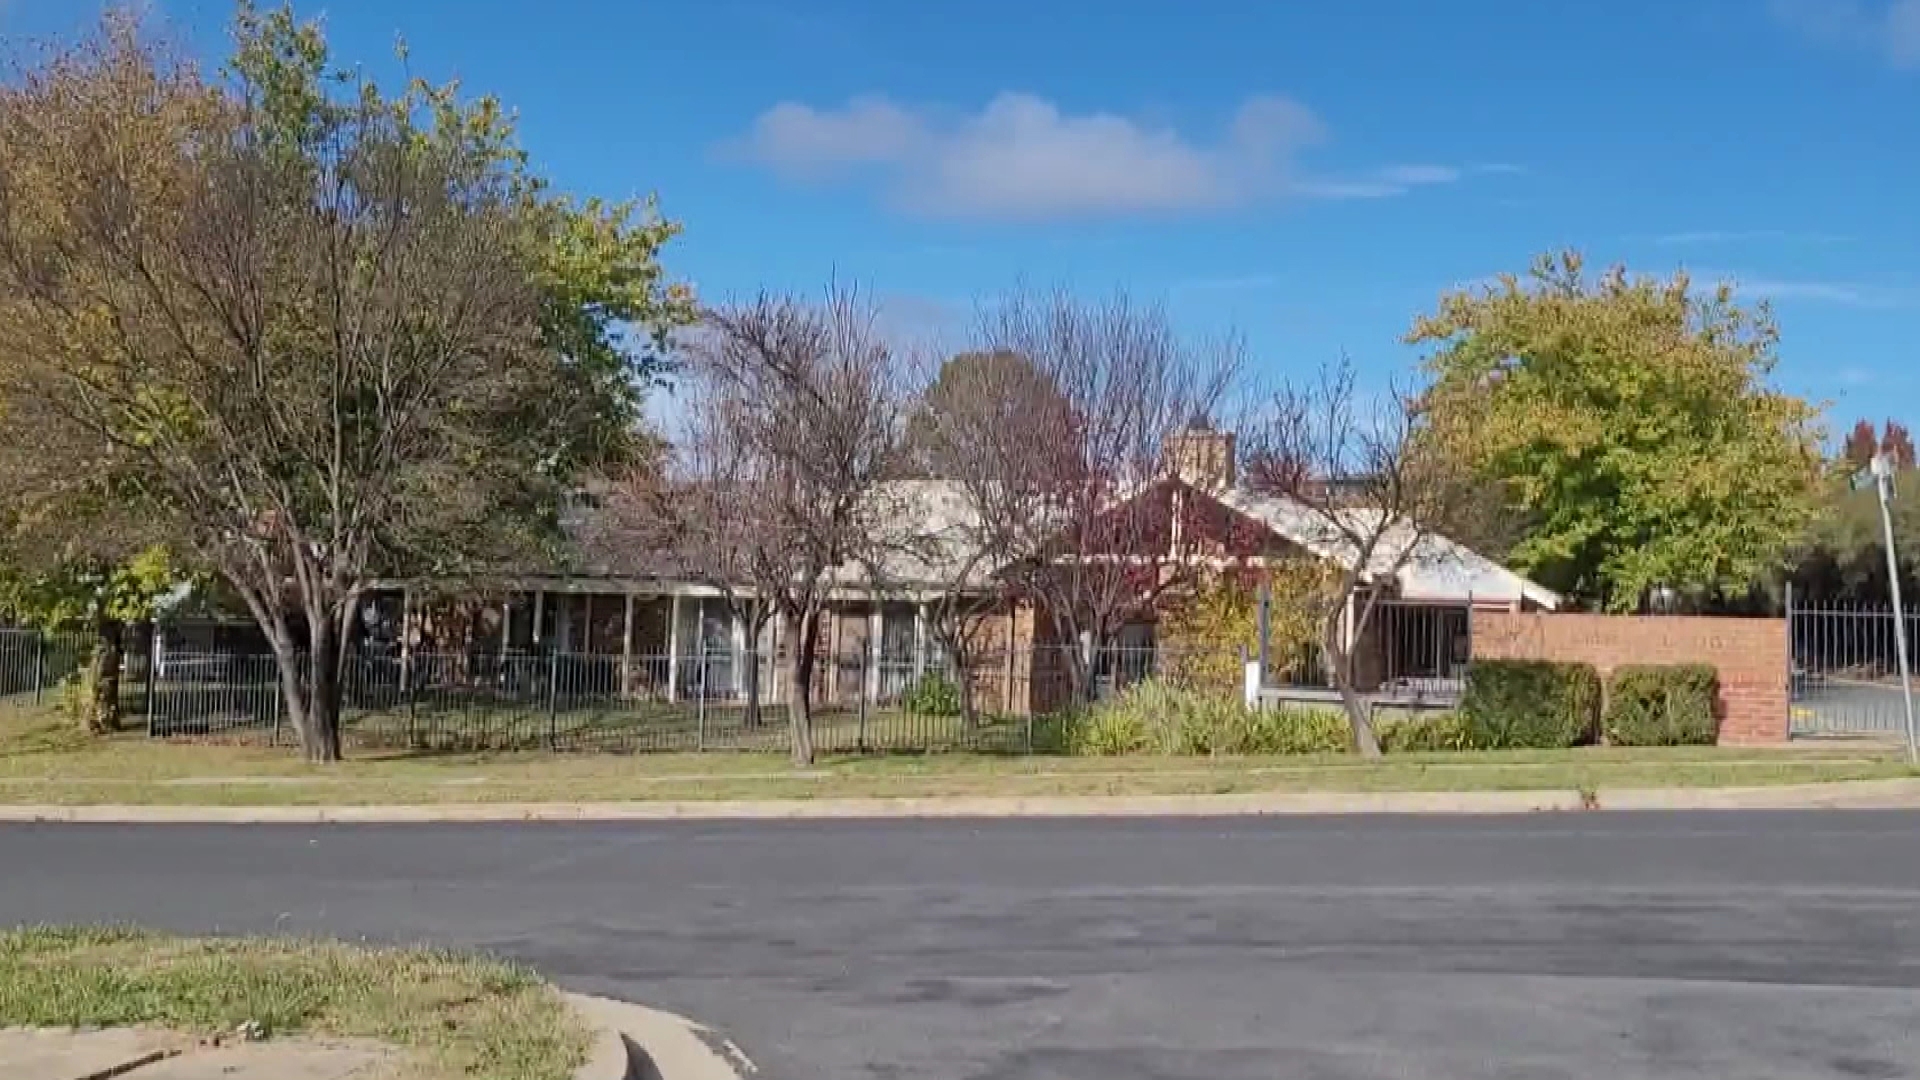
(1883, 483)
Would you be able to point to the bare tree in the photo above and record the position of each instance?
(977, 434)
(1372, 494)
(804, 402)
(1058, 452)
(704, 514)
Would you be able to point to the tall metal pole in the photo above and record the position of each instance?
(1883, 482)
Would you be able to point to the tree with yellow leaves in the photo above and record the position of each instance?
(1632, 420)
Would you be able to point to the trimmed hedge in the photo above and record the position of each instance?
(1666, 705)
(1530, 704)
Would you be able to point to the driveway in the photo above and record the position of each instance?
(1620, 945)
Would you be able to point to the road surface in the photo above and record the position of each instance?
(1747, 945)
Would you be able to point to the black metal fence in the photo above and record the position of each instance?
(1407, 653)
(48, 668)
(719, 700)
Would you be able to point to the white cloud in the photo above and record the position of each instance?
(1703, 237)
(1845, 293)
(1021, 157)
(1890, 28)
(1393, 180)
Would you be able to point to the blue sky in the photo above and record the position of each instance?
(1309, 174)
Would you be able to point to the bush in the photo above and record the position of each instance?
(1294, 731)
(1662, 706)
(1108, 732)
(1156, 717)
(1429, 733)
(1530, 704)
(933, 694)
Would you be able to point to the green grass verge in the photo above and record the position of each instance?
(45, 760)
(453, 1016)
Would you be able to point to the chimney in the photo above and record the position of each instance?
(1201, 457)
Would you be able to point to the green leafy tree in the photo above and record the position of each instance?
(328, 334)
(1842, 556)
(1630, 418)
(98, 597)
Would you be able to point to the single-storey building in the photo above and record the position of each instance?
(672, 637)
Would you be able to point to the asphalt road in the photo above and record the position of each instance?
(1747, 945)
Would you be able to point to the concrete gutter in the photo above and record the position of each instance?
(1903, 792)
(633, 1042)
(630, 1042)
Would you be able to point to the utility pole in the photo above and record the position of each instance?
(1883, 483)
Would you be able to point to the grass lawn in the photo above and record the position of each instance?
(453, 1016)
(44, 760)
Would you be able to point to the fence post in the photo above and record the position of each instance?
(39, 664)
(410, 695)
(1028, 724)
(1265, 624)
(700, 705)
(1251, 679)
(861, 737)
(553, 699)
(153, 661)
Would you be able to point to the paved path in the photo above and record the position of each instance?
(1749, 944)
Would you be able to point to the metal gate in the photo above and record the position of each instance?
(1845, 677)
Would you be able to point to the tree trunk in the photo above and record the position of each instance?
(805, 629)
(751, 718)
(103, 712)
(293, 687)
(1340, 667)
(1080, 671)
(321, 741)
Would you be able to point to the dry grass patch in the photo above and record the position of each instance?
(455, 1016)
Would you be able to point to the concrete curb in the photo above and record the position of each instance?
(633, 1042)
(1859, 793)
(1486, 802)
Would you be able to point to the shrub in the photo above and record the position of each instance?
(1294, 731)
(1156, 717)
(1429, 733)
(1533, 704)
(1108, 732)
(1662, 706)
(76, 697)
(933, 694)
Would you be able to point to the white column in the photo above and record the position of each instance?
(875, 624)
(406, 638)
(506, 626)
(919, 641)
(673, 649)
(539, 613)
(740, 657)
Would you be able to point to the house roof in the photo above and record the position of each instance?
(1438, 567)
(932, 525)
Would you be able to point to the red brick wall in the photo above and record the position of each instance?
(1751, 655)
